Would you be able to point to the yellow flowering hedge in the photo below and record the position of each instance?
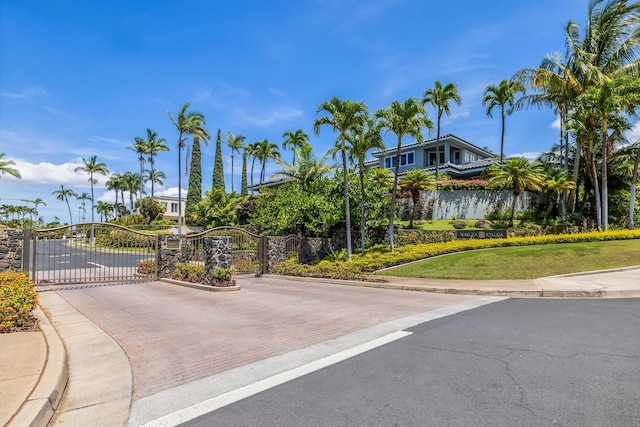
(17, 298)
(380, 257)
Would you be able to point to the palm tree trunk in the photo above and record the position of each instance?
(179, 185)
(502, 141)
(362, 218)
(513, 208)
(596, 187)
(253, 162)
(92, 199)
(232, 170)
(69, 207)
(576, 171)
(632, 191)
(605, 185)
(345, 188)
(437, 150)
(393, 192)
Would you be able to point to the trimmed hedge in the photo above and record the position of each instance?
(17, 298)
(380, 257)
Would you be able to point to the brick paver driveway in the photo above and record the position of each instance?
(175, 335)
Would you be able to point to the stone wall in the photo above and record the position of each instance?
(217, 254)
(11, 243)
(473, 204)
(168, 254)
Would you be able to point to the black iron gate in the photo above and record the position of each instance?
(89, 253)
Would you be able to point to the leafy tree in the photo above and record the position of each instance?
(116, 183)
(557, 181)
(266, 151)
(150, 147)
(402, 119)
(252, 150)
(187, 123)
(63, 195)
(194, 191)
(415, 181)
(502, 96)
(155, 177)
(217, 209)
(83, 198)
(518, 174)
(342, 116)
(293, 140)
(92, 167)
(218, 166)
(151, 209)
(383, 177)
(439, 97)
(5, 167)
(36, 202)
(236, 143)
(244, 190)
(131, 182)
(104, 209)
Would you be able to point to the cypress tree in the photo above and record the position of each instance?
(218, 171)
(244, 189)
(194, 193)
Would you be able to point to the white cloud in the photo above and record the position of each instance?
(270, 117)
(171, 192)
(45, 173)
(529, 155)
(555, 124)
(25, 93)
(633, 134)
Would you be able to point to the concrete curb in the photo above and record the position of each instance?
(40, 406)
(536, 291)
(201, 286)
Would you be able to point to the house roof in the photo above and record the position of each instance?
(433, 140)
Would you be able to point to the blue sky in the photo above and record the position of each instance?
(82, 78)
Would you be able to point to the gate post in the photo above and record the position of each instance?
(27, 237)
(263, 256)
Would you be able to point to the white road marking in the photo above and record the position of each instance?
(225, 399)
(58, 255)
(96, 264)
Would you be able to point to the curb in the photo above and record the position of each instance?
(201, 286)
(43, 401)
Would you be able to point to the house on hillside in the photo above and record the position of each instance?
(460, 159)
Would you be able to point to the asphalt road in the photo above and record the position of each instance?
(60, 255)
(524, 362)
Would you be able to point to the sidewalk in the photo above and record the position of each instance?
(35, 373)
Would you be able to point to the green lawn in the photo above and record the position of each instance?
(528, 262)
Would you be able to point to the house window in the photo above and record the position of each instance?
(432, 158)
(405, 160)
(174, 207)
(469, 157)
(456, 157)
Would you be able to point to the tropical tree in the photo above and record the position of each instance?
(132, 182)
(63, 195)
(83, 198)
(343, 116)
(244, 190)
(153, 146)
(36, 202)
(440, 97)
(294, 140)
(305, 168)
(555, 183)
(236, 143)
(415, 181)
(187, 123)
(194, 191)
(139, 146)
(402, 119)
(252, 150)
(5, 167)
(502, 96)
(116, 183)
(104, 209)
(266, 151)
(218, 166)
(382, 177)
(361, 140)
(518, 174)
(93, 167)
(155, 177)
(632, 189)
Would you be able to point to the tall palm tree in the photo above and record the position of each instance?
(104, 209)
(293, 140)
(416, 180)
(36, 202)
(266, 151)
(187, 123)
(439, 97)
(252, 150)
(502, 96)
(361, 141)
(402, 119)
(116, 183)
(382, 177)
(555, 183)
(132, 182)
(93, 167)
(155, 177)
(140, 147)
(236, 143)
(306, 169)
(518, 174)
(153, 146)
(342, 116)
(83, 198)
(63, 195)
(5, 167)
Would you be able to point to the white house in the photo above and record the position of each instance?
(171, 203)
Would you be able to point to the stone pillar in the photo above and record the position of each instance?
(168, 254)
(276, 252)
(11, 242)
(217, 253)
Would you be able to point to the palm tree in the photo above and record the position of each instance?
(236, 143)
(153, 146)
(116, 183)
(83, 198)
(306, 169)
(36, 202)
(440, 97)
(382, 177)
(360, 142)
(343, 116)
(5, 167)
(187, 123)
(402, 119)
(132, 182)
(92, 167)
(556, 182)
(294, 140)
(63, 195)
(104, 209)
(518, 174)
(265, 151)
(140, 148)
(416, 180)
(502, 96)
(155, 177)
(252, 150)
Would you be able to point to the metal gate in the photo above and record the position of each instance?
(89, 253)
(246, 248)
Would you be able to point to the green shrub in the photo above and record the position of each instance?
(188, 272)
(17, 298)
(147, 266)
(222, 277)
